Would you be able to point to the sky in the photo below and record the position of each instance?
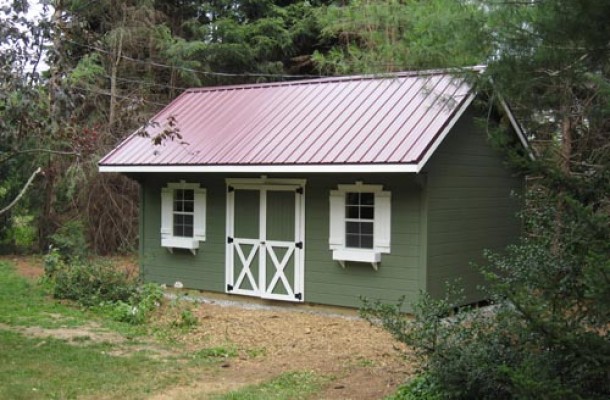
(35, 12)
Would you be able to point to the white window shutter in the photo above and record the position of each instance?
(383, 221)
(200, 214)
(336, 237)
(167, 200)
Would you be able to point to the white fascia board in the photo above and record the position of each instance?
(352, 168)
(445, 131)
(517, 127)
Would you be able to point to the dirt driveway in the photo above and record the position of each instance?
(360, 361)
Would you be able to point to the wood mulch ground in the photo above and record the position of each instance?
(362, 361)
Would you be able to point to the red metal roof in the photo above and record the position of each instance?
(389, 119)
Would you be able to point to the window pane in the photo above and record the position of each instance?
(366, 228)
(367, 212)
(187, 206)
(352, 227)
(178, 205)
(352, 241)
(366, 241)
(177, 230)
(188, 194)
(183, 225)
(351, 212)
(352, 198)
(367, 199)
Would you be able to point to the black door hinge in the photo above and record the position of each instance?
(230, 189)
(298, 296)
(299, 245)
(229, 239)
(229, 288)
(300, 190)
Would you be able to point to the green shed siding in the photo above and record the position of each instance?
(470, 207)
(325, 281)
(206, 269)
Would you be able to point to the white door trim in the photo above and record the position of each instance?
(262, 246)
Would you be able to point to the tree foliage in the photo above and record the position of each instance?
(398, 35)
(108, 66)
(547, 333)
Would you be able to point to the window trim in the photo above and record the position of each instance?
(381, 225)
(168, 240)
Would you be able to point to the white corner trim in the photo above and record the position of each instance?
(445, 131)
(326, 168)
(518, 129)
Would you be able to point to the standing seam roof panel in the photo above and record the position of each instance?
(338, 109)
(367, 119)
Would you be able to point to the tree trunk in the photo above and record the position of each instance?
(118, 53)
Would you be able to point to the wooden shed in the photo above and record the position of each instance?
(322, 191)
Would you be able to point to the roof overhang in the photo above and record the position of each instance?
(301, 168)
(415, 167)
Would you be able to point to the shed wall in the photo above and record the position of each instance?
(400, 273)
(470, 207)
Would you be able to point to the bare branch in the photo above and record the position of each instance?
(57, 152)
(23, 190)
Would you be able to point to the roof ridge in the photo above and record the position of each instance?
(344, 78)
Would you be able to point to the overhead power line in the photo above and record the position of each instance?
(208, 73)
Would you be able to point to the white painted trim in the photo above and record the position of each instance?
(337, 221)
(230, 226)
(359, 255)
(517, 128)
(359, 187)
(263, 180)
(168, 240)
(263, 185)
(262, 235)
(176, 242)
(326, 168)
(445, 132)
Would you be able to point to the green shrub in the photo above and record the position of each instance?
(419, 388)
(93, 283)
(71, 241)
(21, 233)
(102, 286)
(53, 262)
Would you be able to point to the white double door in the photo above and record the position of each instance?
(265, 246)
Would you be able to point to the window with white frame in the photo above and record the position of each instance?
(360, 223)
(183, 214)
(359, 219)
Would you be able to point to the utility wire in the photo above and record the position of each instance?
(208, 73)
(141, 99)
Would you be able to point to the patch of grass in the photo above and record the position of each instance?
(256, 352)
(364, 362)
(289, 385)
(23, 303)
(51, 368)
(217, 352)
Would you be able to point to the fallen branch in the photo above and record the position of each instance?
(23, 190)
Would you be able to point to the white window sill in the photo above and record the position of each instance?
(359, 255)
(174, 242)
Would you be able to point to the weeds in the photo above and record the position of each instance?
(102, 287)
